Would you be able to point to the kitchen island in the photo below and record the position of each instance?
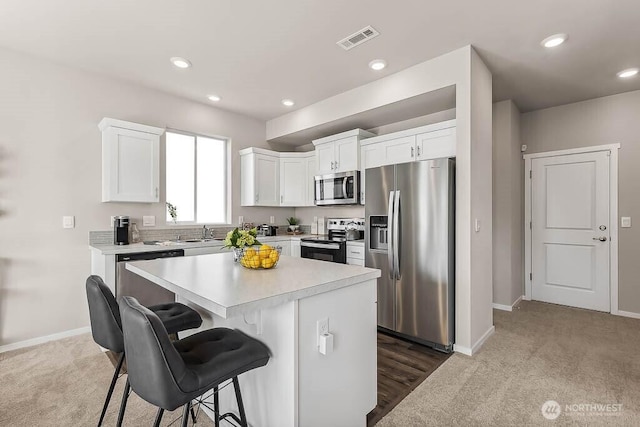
(282, 307)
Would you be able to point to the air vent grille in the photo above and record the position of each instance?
(365, 34)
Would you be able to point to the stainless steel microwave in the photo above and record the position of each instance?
(337, 189)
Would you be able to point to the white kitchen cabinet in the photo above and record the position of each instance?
(339, 153)
(285, 244)
(355, 253)
(312, 171)
(295, 248)
(130, 161)
(434, 141)
(296, 179)
(260, 177)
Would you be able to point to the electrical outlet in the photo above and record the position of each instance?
(625, 222)
(323, 328)
(148, 221)
(68, 222)
(240, 220)
(113, 218)
(272, 219)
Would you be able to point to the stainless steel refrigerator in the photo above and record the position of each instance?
(410, 226)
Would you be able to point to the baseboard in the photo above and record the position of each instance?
(474, 349)
(627, 314)
(505, 307)
(42, 340)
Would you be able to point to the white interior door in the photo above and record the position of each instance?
(570, 230)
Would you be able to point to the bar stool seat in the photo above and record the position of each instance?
(106, 328)
(169, 375)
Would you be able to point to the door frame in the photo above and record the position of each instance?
(613, 215)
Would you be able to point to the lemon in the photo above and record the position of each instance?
(267, 263)
(250, 252)
(274, 256)
(265, 250)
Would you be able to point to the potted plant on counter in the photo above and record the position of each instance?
(237, 239)
(293, 224)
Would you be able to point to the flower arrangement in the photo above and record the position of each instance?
(173, 211)
(240, 238)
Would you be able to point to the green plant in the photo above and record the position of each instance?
(293, 221)
(237, 238)
(173, 212)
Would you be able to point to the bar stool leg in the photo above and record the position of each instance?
(111, 387)
(185, 414)
(123, 405)
(193, 415)
(243, 417)
(156, 423)
(216, 407)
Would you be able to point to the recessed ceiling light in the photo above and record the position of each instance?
(554, 40)
(377, 64)
(288, 102)
(629, 72)
(180, 62)
(214, 98)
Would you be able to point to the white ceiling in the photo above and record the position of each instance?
(255, 53)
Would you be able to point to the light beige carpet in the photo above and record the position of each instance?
(539, 352)
(64, 383)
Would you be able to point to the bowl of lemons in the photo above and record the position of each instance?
(263, 257)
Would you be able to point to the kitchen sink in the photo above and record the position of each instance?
(199, 240)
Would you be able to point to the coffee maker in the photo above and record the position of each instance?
(121, 230)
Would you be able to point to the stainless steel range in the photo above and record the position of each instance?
(333, 247)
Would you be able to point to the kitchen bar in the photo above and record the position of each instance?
(282, 307)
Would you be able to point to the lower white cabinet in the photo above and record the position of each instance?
(295, 248)
(355, 253)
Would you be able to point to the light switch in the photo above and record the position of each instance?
(148, 221)
(477, 225)
(240, 220)
(68, 222)
(625, 222)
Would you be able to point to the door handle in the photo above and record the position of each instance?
(411, 151)
(331, 165)
(390, 236)
(602, 238)
(418, 150)
(335, 166)
(396, 235)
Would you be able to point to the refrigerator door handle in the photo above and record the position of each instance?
(390, 251)
(396, 234)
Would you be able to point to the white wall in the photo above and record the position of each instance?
(50, 166)
(464, 69)
(508, 197)
(607, 120)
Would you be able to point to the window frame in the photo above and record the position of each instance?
(228, 178)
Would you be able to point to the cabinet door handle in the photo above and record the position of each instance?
(281, 198)
(418, 148)
(411, 151)
(336, 165)
(331, 165)
(156, 191)
(256, 197)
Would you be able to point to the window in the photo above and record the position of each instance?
(197, 178)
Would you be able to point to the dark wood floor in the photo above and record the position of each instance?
(402, 366)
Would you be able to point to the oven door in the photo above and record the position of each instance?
(337, 189)
(332, 252)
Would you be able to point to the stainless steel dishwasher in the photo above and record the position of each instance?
(145, 291)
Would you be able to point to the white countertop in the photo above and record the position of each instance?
(227, 289)
(141, 247)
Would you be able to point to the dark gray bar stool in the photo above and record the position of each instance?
(106, 328)
(170, 375)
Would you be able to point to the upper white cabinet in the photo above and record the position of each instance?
(130, 161)
(296, 179)
(270, 178)
(434, 141)
(260, 177)
(339, 153)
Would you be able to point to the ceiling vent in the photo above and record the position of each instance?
(364, 35)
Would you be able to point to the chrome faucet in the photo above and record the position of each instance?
(204, 232)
